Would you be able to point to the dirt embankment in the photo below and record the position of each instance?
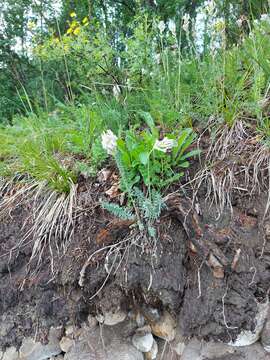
(176, 273)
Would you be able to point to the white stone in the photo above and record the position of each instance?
(192, 351)
(111, 318)
(247, 337)
(143, 342)
(152, 354)
(31, 350)
(66, 343)
(11, 354)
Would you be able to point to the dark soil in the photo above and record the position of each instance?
(167, 274)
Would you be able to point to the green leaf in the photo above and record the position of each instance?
(146, 116)
(185, 164)
(144, 158)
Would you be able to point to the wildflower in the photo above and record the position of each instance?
(76, 31)
(186, 19)
(31, 25)
(265, 17)
(85, 20)
(219, 25)
(73, 14)
(172, 27)
(109, 141)
(161, 26)
(164, 145)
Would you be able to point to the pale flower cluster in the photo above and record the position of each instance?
(172, 27)
(109, 142)
(164, 145)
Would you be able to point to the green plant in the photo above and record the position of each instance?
(146, 209)
(156, 162)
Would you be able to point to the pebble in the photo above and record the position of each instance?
(164, 327)
(143, 339)
(247, 337)
(152, 354)
(11, 354)
(66, 343)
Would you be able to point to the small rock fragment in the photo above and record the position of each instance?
(143, 339)
(164, 327)
(11, 354)
(152, 354)
(66, 343)
(247, 337)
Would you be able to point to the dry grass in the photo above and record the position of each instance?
(51, 218)
(236, 161)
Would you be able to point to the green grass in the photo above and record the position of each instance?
(227, 86)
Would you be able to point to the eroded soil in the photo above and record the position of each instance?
(165, 274)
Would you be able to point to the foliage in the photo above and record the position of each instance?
(146, 209)
(142, 158)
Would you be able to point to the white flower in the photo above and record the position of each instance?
(164, 145)
(186, 19)
(161, 26)
(265, 17)
(109, 141)
(172, 27)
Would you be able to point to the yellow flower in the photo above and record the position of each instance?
(73, 14)
(85, 20)
(31, 25)
(69, 30)
(76, 31)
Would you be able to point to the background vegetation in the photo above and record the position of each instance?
(72, 70)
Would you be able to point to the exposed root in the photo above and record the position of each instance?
(236, 161)
(51, 215)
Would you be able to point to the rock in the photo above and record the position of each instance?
(164, 327)
(211, 350)
(143, 341)
(111, 318)
(122, 351)
(152, 354)
(31, 350)
(247, 337)
(253, 352)
(11, 354)
(192, 351)
(265, 335)
(66, 343)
